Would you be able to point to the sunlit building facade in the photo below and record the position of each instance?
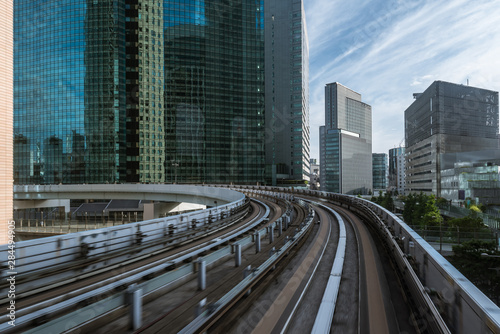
(346, 142)
(139, 91)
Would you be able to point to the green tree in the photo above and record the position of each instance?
(469, 222)
(431, 216)
(421, 209)
(480, 263)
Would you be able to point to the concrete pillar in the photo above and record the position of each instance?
(134, 296)
(202, 274)
(280, 228)
(237, 255)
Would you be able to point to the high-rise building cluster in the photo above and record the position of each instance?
(452, 148)
(210, 91)
(150, 91)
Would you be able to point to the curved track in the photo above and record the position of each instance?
(89, 282)
(290, 268)
(180, 307)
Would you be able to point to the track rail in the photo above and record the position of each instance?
(426, 275)
(65, 301)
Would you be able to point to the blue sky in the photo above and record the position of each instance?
(389, 49)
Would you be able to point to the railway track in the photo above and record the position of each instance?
(220, 280)
(141, 269)
(283, 279)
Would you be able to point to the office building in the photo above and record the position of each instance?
(446, 118)
(6, 116)
(397, 173)
(346, 142)
(139, 91)
(471, 175)
(380, 172)
(287, 92)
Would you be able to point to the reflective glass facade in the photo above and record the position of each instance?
(380, 171)
(346, 142)
(397, 170)
(139, 91)
(69, 96)
(446, 118)
(287, 92)
(214, 95)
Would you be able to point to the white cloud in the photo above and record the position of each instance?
(387, 51)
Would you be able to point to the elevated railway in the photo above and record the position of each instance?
(276, 260)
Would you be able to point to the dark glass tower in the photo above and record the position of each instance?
(214, 96)
(139, 91)
(446, 118)
(287, 93)
(69, 95)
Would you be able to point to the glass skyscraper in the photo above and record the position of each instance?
(397, 170)
(380, 172)
(287, 93)
(346, 142)
(139, 91)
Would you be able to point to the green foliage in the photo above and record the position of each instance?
(421, 210)
(482, 271)
(482, 207)
(469, 222)
(384, 200)
(441, 202)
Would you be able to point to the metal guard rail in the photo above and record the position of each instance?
(117, 300)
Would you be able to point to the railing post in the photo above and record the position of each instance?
(237, 255)
(247, 272)
(257, 242)
(134, 296)
(271, 253)
(202, 274)
(271, 233)
(199, 307)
